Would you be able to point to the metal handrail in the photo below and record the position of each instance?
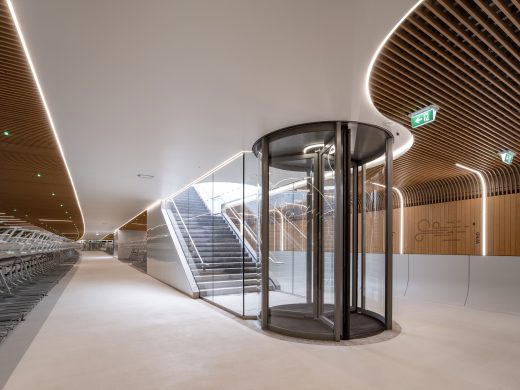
(188, 232)
(229, 206)
(285, 219)
(271, 258)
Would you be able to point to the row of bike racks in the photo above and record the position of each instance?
(32, 261)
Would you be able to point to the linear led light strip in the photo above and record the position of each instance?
(55, 220)
(35, 76)
(237, 155)
(301, 183)
(139, 213)
(484, 205)
(396, 153)
(401, 216)
(408, 145)
(381, 45)
(221, 165)
(216, 168)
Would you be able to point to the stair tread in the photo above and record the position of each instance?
(227, 267)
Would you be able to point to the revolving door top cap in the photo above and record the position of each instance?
(368, 142)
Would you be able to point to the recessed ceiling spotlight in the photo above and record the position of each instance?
(6, 133)
(144, 176)
(38, 175)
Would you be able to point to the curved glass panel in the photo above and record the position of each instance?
(374, 293)
(327, 194)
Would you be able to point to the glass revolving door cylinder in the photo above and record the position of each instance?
(320, 280)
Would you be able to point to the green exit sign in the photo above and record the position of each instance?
(423, 116)
(507, 156)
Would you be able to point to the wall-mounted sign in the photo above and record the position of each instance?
(423, 116)
(507, 156)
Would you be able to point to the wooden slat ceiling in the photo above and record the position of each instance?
(137, 223)
(35, 186)
(462, 55)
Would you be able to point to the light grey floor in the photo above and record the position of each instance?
(117, 328)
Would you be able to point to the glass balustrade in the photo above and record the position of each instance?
(216, 221)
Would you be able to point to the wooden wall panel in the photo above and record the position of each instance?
(453, 228)
(450, 228)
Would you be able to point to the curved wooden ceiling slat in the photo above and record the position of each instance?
(30, 148)
(462, 55)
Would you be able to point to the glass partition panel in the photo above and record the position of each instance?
(235, 270)
(191, 219)
(290, 216)
(327, 195)
(250, 230)
(215, 220)
(301, 234)
(375, 241)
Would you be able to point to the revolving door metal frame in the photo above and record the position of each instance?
(346, 256)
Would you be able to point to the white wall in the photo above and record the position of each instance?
(489, 283)
(116, 242)
(438, 278)
(165, 260)
(400, 274)
(494, 284)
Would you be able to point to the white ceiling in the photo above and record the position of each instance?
(171, 88)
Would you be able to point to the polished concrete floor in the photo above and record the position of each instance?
(114, 327)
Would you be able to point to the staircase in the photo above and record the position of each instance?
(227, 268)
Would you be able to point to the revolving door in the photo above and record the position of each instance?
(319, 278)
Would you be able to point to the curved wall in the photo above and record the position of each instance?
(165, 259)
(438, 278)
(479, 282)
(494, 284)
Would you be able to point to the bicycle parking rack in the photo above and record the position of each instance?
(32, 261)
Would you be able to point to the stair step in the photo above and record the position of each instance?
(227, 283)
(220, 254)
(228, 291)
(221, 271)
(219, 260)
(206, 277)
(227, 264)
(235, 249)
(227, 267)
